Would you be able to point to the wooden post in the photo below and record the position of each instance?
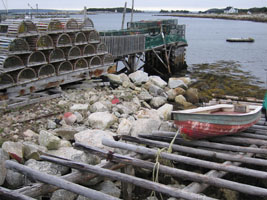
(127, 188)
(174, 192)
(185, 160)
(160, 59)
(123, 16)
(200, 152)
(12, 195)
(200, 143)
(183, 174)
(200, 187)
(39, 189)
(132, 11)
(59, 182)
(131, 61)
(84, 12)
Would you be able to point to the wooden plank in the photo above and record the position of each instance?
(199, 152)
(200, 187)
(7, 194)
(188, 160)
(175, 172)
(126, 178)
(203, 143)
(59, 182)
(39, 189)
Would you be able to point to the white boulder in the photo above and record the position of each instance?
(93, 138)
(101, 120)
(158, 81)
(139, 77)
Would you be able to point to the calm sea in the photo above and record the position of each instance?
(207, 40)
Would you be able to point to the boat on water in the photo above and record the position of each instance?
(217, 120)
(240, 40)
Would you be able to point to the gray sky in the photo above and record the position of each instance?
(193, 5)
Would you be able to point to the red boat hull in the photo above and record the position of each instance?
(199, 130)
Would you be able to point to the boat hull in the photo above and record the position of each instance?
(218, 120)
(199, 130)
(240, 40)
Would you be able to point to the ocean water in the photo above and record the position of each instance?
(207, 40)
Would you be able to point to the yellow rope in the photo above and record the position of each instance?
(155, 173)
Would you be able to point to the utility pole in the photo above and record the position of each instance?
(37, 11)
(132, 11)
(123, 17)
(84, 12)
(6, 6)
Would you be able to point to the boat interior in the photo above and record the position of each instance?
(223, 109)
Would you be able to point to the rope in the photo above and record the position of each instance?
(155, 173)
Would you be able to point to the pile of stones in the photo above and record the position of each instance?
(131, 105)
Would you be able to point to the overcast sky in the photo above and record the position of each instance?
(193, 5)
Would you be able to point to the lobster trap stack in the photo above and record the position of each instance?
(46, 53)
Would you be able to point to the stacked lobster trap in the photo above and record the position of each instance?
(44, 53)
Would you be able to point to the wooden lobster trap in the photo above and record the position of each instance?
(18, 28)
(10, 63)
(13, 46)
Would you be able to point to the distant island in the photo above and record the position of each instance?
(222, 10)
(252, 14)
(118, 9)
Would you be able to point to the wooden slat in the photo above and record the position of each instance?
(59, 182)
(174, 192)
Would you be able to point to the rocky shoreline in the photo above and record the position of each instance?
(244, 17)
(131, 105)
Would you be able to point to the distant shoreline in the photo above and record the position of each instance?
(243, 17)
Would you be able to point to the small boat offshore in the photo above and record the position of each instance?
(217, 120)
(240, 40)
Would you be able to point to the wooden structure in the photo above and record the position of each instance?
(73, 53)
(78, 38)
(85, 24)
(49, 25)
(212, 159)
(89, 50)
(62, 40)
(80, 64)
(156, 45)
(64, 67)
(11, 63)
(46, 53)
(18, 28)
(46, 71)
(13, 46)
(36, 58)
(25, 75)
(69, 25)
(56, 55)
(93, 37)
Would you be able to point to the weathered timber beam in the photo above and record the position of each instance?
(240, 140)
(12, 195)
(160, 59)
(59, 182)
(250, 135)
(200, 187)
(126, 178)
(206, 144)
(201, 152)
(259, 127)
(221, 183)
(39, 189)
(186, 160)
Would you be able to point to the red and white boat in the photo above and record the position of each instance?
(217, 120)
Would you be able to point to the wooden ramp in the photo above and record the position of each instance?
(242, 155)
